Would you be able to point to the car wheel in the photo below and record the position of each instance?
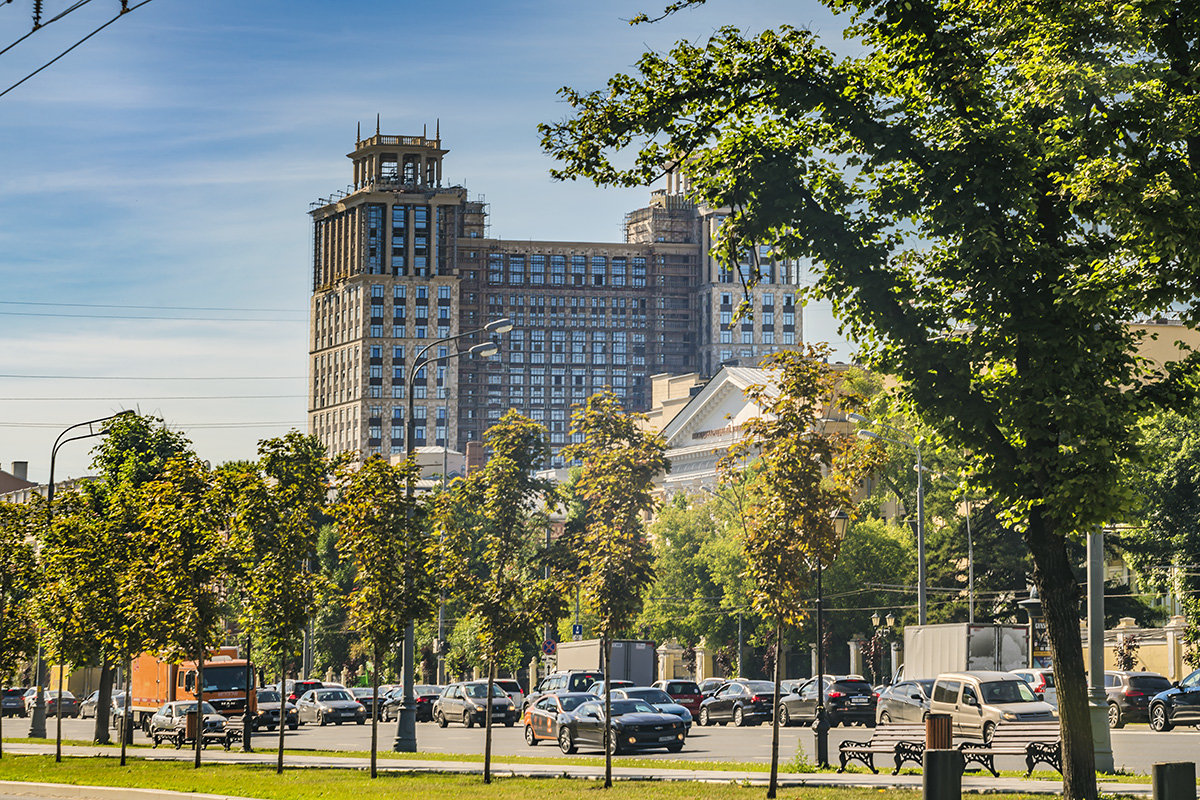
(989, 729)
(337, 722)
(468, 719)
(1160, 720)
(705, 720)
(530, 737)
(834, 720)
(614, 743)
(178, 741)
(565, 742)
(885, 718)
(321, 720)
(1115, 720)
(739, 718)
(785, 719)
(293, 726)
(675, 748)
(440, 719)
(508, 723)
(360, 721)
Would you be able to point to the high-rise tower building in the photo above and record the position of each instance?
(400, 260)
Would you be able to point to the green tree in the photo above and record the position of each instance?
(498, 513)
(991, 193)
(382, 531)
(174, 592)
(615, 486)
(19, 579)
(276, 508)
(802, 475)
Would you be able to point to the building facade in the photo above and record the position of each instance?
(401, 260)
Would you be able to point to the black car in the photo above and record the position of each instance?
(466, 703)
(740, 702)
(635, 726)
(295, 689)
(366, 696)
(1179, 705)
(907, 701)
(847, 699)
(268, 711)
(12, 702)
(424, 693)
(571, 680)
(1128, 694)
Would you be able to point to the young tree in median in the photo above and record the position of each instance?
(18, 587)
(174, 591)
(616, 482)
(383, 531)
(991, 193)
(276, 507)
(803, 475)
(488, 525)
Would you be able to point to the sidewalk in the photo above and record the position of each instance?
(985, 784)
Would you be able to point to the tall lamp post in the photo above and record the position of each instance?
(922, 599)
(840, 521)
(37, 726)
(406, 724)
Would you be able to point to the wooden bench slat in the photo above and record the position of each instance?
(905, 741)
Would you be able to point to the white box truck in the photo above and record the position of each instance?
(930, 650)
(632, 660)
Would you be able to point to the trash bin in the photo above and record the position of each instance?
(937, 732)
(124, 730)
(192, 729)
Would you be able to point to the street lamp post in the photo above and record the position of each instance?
(37, 726)
(406, 723)
(922, 599)
(840, 521)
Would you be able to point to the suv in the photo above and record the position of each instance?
(1129, 693)
(466, 703)
(686, 693)
(571, 680)
(1179, 705)
(294, 689)
(12, 702)
(979, 701)
(847, 699)
(1042, 683)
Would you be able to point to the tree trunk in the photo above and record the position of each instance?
(1060, 595)
(199, 706)
(487, 722)
(282, 705)
(606, 643)
(374, 705)
(127, 713)
(247, 721)
(103, 703)
(775, 711)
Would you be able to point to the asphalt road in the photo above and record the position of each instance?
(1135, 748)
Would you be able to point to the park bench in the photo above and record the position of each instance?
(1037, 741)
(903, 741)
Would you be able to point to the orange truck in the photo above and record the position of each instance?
(156, 682)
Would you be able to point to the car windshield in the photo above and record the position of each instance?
(649, 695)
(1007, 692)
(1048, 677)
(364, 691)
(683, 688)
(268, 697)
(509, 686)
(851, 685)
(224, 679)
(759, 687)
(620, 707)
(580, 682)
(477, 690)
(426, 689)
(1150, 683)
(14, 692)
(926, 687)
(333, 694)
(184, 708)
(66, 695)
(570, 703)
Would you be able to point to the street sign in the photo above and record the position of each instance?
(577, 632)
(549, 647)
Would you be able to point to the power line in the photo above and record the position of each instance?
(172, 425)
(146, 316)
(149, 308)
(159, 397)
(38, 26)
(125, 9)
(160, 377)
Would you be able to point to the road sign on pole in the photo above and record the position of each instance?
(577, 632)
(549, 647)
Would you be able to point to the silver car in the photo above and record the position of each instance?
(979, 701)
(324, 706)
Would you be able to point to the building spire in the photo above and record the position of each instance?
(358, 134)
(438, 129)
(376, 123)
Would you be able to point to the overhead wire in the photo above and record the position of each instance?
(125, 9)
(42, 25)
(148, 308)
(159, 377)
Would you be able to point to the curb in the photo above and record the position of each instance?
(73, 791)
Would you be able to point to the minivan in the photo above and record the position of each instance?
(979, 701)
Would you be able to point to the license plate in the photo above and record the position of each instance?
(666, 738)
(858, 700)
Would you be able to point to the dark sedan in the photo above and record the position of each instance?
(847, 700)
(324, 706)
(366, 696)
(1179, 705)
(907, 701)
(268, 711)
(1129, 693)
(635, 726)
(740, 702)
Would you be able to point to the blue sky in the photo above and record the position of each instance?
(169, 162)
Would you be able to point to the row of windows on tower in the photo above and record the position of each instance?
(595, 271)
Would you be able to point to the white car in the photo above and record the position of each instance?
(1042, 683)
(514, 691)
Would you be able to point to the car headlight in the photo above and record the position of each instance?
(1008, 715)
(686, 716)
(511, 707)
(361, 707)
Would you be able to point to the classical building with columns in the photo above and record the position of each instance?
(399, 260)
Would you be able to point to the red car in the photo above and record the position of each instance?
(686, 693)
